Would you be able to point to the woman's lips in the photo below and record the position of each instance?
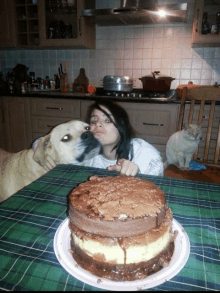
(99, 134)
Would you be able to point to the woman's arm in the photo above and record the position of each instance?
(146, 160)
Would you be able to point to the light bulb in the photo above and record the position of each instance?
(162, 13)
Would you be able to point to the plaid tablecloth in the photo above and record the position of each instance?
(29, 220)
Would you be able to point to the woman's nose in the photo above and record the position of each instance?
(99, 123)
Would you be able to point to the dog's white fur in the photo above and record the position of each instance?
(20, 169)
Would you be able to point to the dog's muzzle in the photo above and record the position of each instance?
(91, 146)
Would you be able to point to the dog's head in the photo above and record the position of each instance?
(67, 143)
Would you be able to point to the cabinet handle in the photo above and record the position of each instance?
(152, 124)
(50, 126)
(54, 108)
(197, 22)
(80, 31)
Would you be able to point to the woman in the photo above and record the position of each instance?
(121, 152)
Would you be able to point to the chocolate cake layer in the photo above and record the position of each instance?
(118, 198)
(117, 228)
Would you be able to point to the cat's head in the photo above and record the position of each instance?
(193, 131)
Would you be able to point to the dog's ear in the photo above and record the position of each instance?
(40, 153)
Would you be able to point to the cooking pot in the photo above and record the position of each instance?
(117, 83)
(156, 82)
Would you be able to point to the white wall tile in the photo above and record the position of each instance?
(166, 63)
(156, 64)
(138, 33)
(157, 53)
(128, 54)
(147, 63)
(128, 64)
(197, 63)
(138, 43)
(137, 63)
(195, 74)
(119, 54)
(185, 74)
(157, 43)
(186, 63)
(110, 63)
(129, 44)
(147, 43)
(147, 53)
(138, 53)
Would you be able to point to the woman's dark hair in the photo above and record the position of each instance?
(121, 122)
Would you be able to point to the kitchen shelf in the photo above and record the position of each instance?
(208, 40)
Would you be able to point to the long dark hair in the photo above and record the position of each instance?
(121, 122)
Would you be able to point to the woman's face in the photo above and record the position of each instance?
(103, 128)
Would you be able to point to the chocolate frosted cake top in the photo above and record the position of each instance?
(117, 197)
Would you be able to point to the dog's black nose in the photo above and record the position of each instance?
(87, 135)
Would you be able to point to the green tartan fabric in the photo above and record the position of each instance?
(30, 218)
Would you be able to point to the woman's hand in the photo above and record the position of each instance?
(125, 167)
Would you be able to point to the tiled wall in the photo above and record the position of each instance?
(128, 50)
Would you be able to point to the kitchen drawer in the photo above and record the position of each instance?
(153, 122)
(55, 107)
(44, 125)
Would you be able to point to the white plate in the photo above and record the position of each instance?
(178, 261)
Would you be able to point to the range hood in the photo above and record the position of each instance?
(146, 14)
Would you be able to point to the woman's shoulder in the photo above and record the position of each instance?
(139, 143)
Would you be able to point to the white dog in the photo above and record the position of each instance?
(66, 144)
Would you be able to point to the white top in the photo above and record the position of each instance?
(146, 157)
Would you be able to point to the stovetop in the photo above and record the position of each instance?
(137, 93)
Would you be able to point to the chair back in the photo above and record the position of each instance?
(204, 96)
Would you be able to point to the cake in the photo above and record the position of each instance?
(121, 228)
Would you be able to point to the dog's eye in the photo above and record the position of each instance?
(87, 127)
(66, 138)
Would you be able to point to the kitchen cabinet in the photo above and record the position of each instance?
(2, 127)
(155, 123)
(17, 123)
(48, 113)
(214, 132)
(26, 19)
(7, 29)
(199, 39)
(82, 29)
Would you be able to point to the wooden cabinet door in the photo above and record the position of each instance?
(2, 126)
(17, 123)
(208, 40)
(7, 33)
(83, 30)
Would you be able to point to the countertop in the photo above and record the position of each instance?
(55, 94)
(30, 218)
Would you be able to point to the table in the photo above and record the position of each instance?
(30, 218)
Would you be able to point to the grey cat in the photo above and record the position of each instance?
(182, 145)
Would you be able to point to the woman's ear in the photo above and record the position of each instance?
(40, 153)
